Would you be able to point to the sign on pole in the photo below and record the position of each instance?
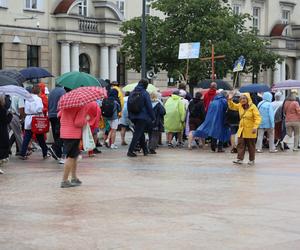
(239, 64)
(189, 51)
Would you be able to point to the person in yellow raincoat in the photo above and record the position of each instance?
(249, 122)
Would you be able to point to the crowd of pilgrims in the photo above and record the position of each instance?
(216, 118)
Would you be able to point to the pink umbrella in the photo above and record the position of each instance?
(168, 92)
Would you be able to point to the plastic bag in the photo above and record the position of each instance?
(87, 138)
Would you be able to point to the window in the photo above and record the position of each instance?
(121, 6)
(236, 9)
(1, 56)
(32, 56)
(84, 63)
(82, 8)
(256, 18)
(31, 4)
(286, 14)
(148, 7)
(3, 3)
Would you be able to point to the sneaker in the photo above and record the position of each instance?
(24, 158)
(131, 154)
(97, 151)
(251, 163)
(238, 161)
(170, 145)
(48, 155)
(53, 154)
(1, 171)
(274, 151)
(61, 161)
(67, 184)
(259, 151)
(113, 146)
(234, 151)
(295, 149)
(76, 182)
(221, 151)
(180, 144)
(106, 143)
(152, 152)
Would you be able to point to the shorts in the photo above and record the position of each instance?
(71, 147)
(114, 124)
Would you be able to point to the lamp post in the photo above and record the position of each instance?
(143, 71)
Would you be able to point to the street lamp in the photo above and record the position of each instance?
(143, 71)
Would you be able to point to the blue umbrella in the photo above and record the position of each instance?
(255, 88)
(35, 73)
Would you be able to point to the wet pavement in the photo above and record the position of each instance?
(178, 199)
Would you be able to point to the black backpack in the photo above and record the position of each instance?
(107, 109)
(196, 109)
(135, 102)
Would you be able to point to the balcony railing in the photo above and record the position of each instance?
(88, 25)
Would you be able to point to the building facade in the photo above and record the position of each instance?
(61, 36)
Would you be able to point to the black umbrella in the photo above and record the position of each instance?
(205, 84)
(35, 73)
(14, 74)
(5, 80)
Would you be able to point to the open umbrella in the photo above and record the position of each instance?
(35, 73)
(130, 87)
(81, 96)
(288, 84)
(205, 84)
(5, 80)
(16, 90)
(168, 92)
(255, 88)
(14, 74)
(75, 79)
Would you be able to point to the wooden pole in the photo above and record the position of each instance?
(187, 70)
(213, 62)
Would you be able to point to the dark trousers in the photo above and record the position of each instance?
(27, 138)
(138, 135)
(58, 142)
(244, 143)
(215, 144)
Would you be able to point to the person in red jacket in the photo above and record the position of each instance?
(210, 95)
(72, 121)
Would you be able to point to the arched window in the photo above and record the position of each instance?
(84, 63)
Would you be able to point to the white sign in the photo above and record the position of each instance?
(189, 51)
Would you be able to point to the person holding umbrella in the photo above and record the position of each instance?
(76, 109)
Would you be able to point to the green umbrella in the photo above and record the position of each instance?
(75, 79)
(130, 87)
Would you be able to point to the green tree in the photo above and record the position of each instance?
(205, 21)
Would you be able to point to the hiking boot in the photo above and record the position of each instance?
(238, 161)
(76, 182)
(67, 184)
(53, 154)
(131, 154)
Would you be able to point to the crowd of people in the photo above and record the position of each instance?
(216, 117)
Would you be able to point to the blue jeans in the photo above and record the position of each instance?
(27, 138)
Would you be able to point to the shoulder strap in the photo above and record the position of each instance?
(259, 106)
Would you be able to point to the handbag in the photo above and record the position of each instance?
(102, 123)
(40, 124)
(87, 138)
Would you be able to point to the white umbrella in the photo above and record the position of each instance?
(16, 90)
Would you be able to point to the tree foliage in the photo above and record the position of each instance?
(205, 21)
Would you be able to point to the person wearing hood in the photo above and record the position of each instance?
(158, 123)
(277, 106)
(196, 114)
(268, 123)
(249, 123)
(174, 118)
(210, 95)
(214, 125)
(141, 114)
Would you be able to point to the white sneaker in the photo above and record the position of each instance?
(259, 151)
(251, 163)
(1, 171)
(238, 161)
(61, 161)
(274, 151)
(113, 146)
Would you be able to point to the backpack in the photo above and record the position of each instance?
(107, 108)
(135, 102)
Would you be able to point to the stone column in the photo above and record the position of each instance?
(277, 73)
(283, 72)
(75, 56)
(297, 68)
(113, 63)
(65, 57)
(104, 62)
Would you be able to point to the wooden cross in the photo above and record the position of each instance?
(212, 58)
